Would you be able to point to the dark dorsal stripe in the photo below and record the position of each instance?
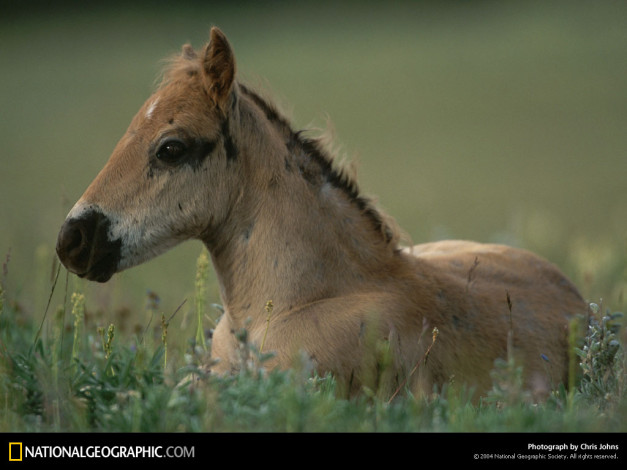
(316, 166)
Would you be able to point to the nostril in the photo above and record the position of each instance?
(72, 245)
(74, 240)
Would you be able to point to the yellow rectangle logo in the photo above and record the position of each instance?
(15, 451)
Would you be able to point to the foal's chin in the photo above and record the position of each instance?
(98, 274)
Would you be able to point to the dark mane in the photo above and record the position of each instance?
(317, 166)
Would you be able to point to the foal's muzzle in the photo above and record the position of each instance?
(84, 247)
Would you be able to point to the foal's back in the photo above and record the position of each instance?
(477, 296)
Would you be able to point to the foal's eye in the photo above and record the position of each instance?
(171, 151)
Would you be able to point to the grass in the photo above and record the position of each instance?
(72, 375)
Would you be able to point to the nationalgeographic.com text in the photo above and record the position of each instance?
(108, 452)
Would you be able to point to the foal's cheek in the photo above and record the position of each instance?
(185, 208)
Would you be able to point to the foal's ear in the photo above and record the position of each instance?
(219, 68)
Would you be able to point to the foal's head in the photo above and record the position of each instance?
(174, 157)
(201, 147)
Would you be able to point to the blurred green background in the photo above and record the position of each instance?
(494, 121)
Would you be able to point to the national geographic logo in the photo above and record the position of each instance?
(15, 451)
(19, 452)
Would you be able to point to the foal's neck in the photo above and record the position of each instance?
(299, 234)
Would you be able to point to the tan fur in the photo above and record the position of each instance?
(282, 223)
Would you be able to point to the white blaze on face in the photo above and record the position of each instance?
(151, 108)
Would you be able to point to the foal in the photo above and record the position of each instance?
(208, 158)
